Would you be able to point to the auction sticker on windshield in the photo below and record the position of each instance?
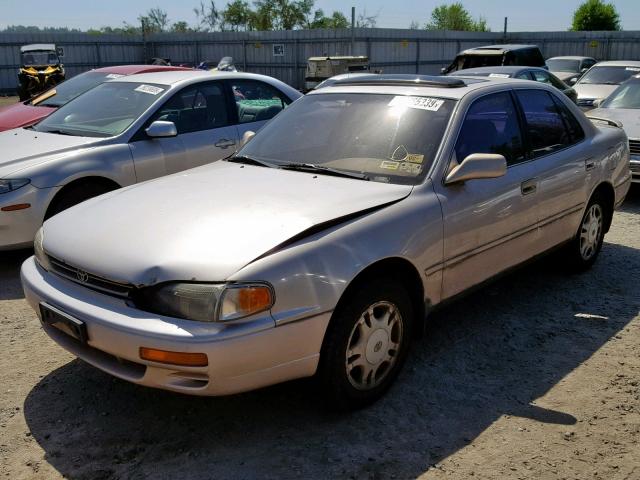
(422, 103)
(149, 89)
(114, 75)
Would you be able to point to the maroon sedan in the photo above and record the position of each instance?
(27, 113)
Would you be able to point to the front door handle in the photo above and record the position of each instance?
(589, 164)
(224, 143)
(529, 186)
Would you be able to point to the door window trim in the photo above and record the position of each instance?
(233, 118)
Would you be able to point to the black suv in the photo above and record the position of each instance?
(497, 55)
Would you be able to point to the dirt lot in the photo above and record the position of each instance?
(536, 376)
(7, 100)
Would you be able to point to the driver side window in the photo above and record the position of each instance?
(491, 126)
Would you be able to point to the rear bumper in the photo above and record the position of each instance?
(241, 357)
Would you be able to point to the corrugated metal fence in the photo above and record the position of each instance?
(283, 54)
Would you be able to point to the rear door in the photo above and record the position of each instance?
(555, 138)
(205, 134)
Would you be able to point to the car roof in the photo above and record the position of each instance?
(571, 57)
(133, 69)
(34, 47)
(389, 84)
(495, 49)
(186, 76)
(618, 63)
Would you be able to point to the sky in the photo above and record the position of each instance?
(524, 15)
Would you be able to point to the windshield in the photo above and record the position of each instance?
(608, 75)
(564, 65)
(388, 138)
(70, 89)
(626, 95)
(37, 59)
(103, 111)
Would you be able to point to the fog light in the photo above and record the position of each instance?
(174, 358)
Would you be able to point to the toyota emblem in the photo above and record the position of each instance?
(82, 276)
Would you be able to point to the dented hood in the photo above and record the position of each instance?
(204, 224)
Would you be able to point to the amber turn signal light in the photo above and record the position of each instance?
(18, 206)
(174, 358)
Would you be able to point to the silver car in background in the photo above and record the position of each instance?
(570, 68)
(623, 107)
(325, 242)
(602, 79)
(126, 131)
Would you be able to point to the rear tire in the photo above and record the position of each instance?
(583, 250)
(366, 345)
(74, 195)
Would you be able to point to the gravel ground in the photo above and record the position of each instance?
(536, 376)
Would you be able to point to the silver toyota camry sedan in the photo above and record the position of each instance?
(322, 246)
(125, 131)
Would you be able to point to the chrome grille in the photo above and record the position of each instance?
(634, 147)
(89, 280)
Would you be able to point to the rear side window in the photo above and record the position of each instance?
(530, 57)
(544, 124)
(257, 101)
(491, 126)
(571, 122)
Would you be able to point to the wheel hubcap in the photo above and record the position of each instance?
(374, 345)
(590, 231)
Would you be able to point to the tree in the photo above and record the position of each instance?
(237, 15)
(455, 17)
(596, 15)
(336, 20)
(181, 27)
(208, 16)
(414, 25)
(156, 20)
(367, 21)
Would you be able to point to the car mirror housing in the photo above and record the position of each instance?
(248, 135)
(597, 102)
(162, 129)
(478, 165)
(573, 80)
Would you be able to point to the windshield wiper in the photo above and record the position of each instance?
(312, 167)
(58, 132)
(250, 160)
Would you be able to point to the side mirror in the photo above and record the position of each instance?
(162, 129)
(573, 80)
(584, 70)
(478, 165)
(597, 102)
(246, 136)
(443, 70)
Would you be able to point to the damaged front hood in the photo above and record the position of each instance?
(204, 224)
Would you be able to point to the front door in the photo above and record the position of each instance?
(200, 113)
(489, 224)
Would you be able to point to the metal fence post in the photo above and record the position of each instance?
(98, 59)
(417, 55)
(244, 55)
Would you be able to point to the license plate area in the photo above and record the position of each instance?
(64, 322)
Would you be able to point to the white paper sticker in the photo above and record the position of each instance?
(114, 75)
(633, 69)
(149, 89)
(499, 75)
(422, 103)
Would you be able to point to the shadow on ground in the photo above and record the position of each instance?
(489, 355)
(10, 262)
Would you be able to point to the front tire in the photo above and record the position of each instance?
(366, 345)
(583, 250)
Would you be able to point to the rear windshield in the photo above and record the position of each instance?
(70, 89)
(608, 75)
(389, 138)
(564, 65)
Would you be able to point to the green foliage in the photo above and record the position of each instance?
(595, 15)
(208, 17)
(455, 17)
(336, 20)
(238, 15)
(156, 20)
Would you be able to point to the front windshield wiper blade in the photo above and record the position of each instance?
(57, 132)
(250, 160)
(312, 167)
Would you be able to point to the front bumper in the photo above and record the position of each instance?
(241, 357)
(17, 228)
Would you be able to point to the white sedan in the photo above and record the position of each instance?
(126, 131)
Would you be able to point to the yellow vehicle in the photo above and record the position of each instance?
(321, 68)
(40, 69)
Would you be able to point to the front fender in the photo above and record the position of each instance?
(311, 275)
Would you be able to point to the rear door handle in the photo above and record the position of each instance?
(225, 143)
(529, 186)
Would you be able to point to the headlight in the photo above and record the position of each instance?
(9, 185)
(38, 249)
(205, 302)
